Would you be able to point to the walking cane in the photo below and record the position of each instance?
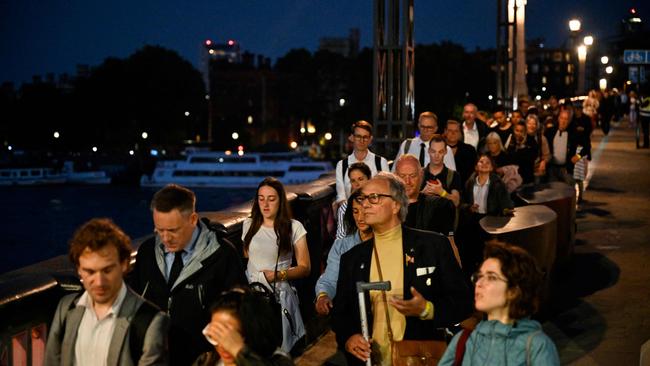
(361, 288)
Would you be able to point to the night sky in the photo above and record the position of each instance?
(41, 36)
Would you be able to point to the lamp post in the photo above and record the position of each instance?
(582, 59)
(574, 27)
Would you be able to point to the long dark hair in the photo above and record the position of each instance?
(261, 323)
(282, 221)
(348, 218)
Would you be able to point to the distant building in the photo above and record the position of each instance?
(551, 71)
(346, 47)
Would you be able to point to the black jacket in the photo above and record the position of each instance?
(445, 287)
(214, 267)
(576, 139)
(497, 200)
(465, 159)
(432, 213)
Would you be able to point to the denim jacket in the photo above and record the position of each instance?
(327, 281)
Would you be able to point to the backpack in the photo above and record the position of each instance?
(137, 326)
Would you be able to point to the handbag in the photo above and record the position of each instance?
(410, 352)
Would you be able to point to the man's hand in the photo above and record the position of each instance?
(323, 305)
(412, 307)
(358, 347)
(433, 187)
(474, 208)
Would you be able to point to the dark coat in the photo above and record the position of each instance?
(465, 159)
(498, 198)
(433, 213)
(215, 268)
(445, 287)
(575, 140)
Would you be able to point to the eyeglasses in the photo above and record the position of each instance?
(490, 277)
(373, 198)
(362, 137)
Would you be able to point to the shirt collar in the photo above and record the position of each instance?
(473, 126)
(487, 182)
(86, 301)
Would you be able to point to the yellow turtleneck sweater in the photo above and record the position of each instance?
(391, 259)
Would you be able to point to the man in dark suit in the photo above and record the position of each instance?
(428, 290)
(567, 146)
(464, 154)
(108, 324)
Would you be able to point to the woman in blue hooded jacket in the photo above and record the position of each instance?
(507, 291)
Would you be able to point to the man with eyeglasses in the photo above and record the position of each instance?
(427, 292)
(418, 146)
(361, 138)
(182, 269)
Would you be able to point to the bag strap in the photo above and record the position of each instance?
(529, 342)
(407, 145)
(460, 346)
(138, 328)
(383, 293)
(344, 168)
(378, 163)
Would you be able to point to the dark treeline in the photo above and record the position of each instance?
(153, 89)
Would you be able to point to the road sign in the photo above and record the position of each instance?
(636, 56)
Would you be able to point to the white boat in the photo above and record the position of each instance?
(40, 176)
(219, 169)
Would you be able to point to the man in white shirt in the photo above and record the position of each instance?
(361, 138)
(108, 324)
(474, 131)
(419, 145)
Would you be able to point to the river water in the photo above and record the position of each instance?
(37, 222)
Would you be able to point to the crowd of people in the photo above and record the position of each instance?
(190, 298)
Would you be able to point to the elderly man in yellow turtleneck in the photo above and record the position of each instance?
(428, 290)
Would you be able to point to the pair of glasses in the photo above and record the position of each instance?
(373, 198)
(362, 137)
(489, 277)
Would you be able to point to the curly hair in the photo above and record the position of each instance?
(523, 275)
(95, 235)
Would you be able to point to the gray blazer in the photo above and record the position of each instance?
(154, 349)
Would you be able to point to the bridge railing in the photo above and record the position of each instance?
(29, 296)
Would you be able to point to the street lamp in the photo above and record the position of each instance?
(609, 69)
(588, 40)
(604, 60)
(582, 59)
(574, 25)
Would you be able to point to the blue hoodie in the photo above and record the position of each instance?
(495, 343)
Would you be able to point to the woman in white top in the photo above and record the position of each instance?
(271, 238)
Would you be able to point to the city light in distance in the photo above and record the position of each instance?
(144, 135)
(328, 136)
(57, 134)
(588, 40)
(311, 128)
(10, 147)
(94, 148)
(208, 42)
(609, 69)
(302, 130)
(543, 88)
(131, 152)
(240, 148)
(490, 97)
(602, 83)
(249, 120)
(153, 152)
(604, 60)
(228, 152)
(293, 144)
(187, 113)
(211, 51)
(582, 52)
(231, 42)
(341, 102)
(240, 152)
(235, 135)
(538, 97)
(574, 25)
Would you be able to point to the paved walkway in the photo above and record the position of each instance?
(601, 306)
